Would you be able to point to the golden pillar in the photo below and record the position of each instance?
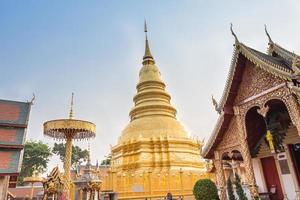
(67, 165)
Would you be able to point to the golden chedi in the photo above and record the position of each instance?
(154, 154)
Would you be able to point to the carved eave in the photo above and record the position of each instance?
(280, 51)
(206, 153)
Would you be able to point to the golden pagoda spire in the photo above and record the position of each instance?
(148, 58)
(151, 98)
(71, 115)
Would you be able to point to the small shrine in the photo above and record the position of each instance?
(88, 184)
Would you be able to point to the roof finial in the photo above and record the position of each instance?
(270, 39)
(33, 98)
(215, 104)
(234, 35)
(71, 115)
(148, 58)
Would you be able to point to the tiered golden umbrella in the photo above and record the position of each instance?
(32, 180)
(69, 129)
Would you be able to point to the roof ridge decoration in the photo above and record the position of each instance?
(268, 35)
(270, 43)
(234, 35)
(215, 104)
(264, 64)
(230, 74)
(229, 79)
(274, 47)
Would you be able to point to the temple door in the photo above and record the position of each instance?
(272, 177)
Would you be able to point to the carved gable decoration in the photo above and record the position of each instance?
(231, 137)
(255, 81)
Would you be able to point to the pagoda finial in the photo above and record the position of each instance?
(234, 35)
(270, 39)
(148, 58)
(71, 115)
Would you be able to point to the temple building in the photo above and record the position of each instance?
(14, 118)
(154, 154)
(257, 134)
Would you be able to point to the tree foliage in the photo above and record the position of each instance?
(107, 160)
(205, 189)
(230, 191)
(78, 155)
(239, 189)
(36, 157)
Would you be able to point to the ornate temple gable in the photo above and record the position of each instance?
(255, 81)
(230, 138)
(260, 71)
(278, 67)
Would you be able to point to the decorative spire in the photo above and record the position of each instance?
(148, 58)
(234, 35)
(270, 39)
(71, 115)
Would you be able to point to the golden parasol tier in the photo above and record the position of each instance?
(64, 128)
(32, 180)
(69, 129)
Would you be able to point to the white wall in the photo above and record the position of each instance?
(288, 185)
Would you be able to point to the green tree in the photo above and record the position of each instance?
(107, 160)
(78, 155)
(36, 157)
(230, 190)
(239, 189)
(205, 189)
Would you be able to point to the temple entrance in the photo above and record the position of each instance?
(295, 154)
(272, 177)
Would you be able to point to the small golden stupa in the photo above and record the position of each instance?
(154, 154)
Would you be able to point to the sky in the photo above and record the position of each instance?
(95, 48)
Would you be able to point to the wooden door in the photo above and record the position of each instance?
(271, 176)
